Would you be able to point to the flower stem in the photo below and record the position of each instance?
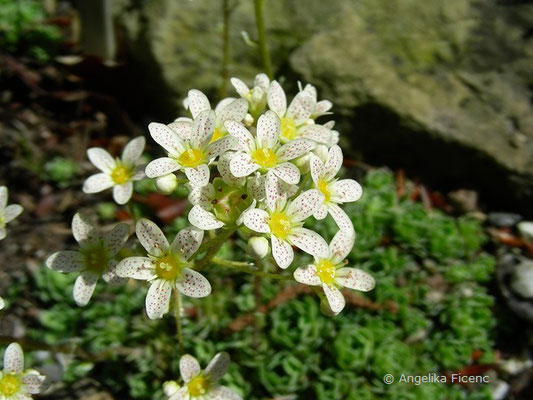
(226, 13)
(177, 315)
(259, 6)
(212, 248)
(246, 267)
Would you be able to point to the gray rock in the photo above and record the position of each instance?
(503, 220)
(522, 279)
(526, 229)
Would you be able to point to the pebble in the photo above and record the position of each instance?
(503, 220)
(526, 229)
(522, 279)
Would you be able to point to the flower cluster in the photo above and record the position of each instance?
(15, 382)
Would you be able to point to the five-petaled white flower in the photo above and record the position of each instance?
(189, 147)
(321, 107)
(296, 120)
(15, 382)
(330, 272)
(166, 267)
(116, 173)
(95, 258)
(203, 385)
(283, 221)
(256, 96)
(335, 191)
(264, 152)
(7, 213)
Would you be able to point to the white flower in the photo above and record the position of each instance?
(264, 152)
(189, 147)
(93, 260)
(7, 213)
(321, 107)
(283, 221)
(256, 96)
(203, 385)
(166, 267)
(335, 191)
(330, 273)
(15, 382)
(296, 120)
(116, 173)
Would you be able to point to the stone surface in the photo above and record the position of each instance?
(522, 281)
(526, 229)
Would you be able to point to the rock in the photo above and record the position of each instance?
(526, 229)
(505, 275)
(463, 200)
(522, 279)
(503, 220)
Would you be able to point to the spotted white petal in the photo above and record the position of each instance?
(303, 206)
(242, 165)
(141, 268)
(310, 242)
(97, 183)
(220, 146)
(217, 367)
(166, 138)
(221, 105)
(187, 241)
(65, 261)
(256, 220)
(202, 195)
(116, 238)
(322, 108)
(354, 278)
(32, 382)
(189, 368)
(234, 111)
(101, 159)
(346, 191)
(3, 197)
(11, 212)
(122, 193)
(240, 87)
(276, 99)
(321, 212)
(84, 288)
(183, 129)
(82, 228)
(341, 218)
(203, 219)
(301, 106)
(133, 150)
(202, 129)
(256, 186)
(110, 275)
(198, 102)
(317, 133)
(287, 172)
(240, 132)
(223, 393)
(198, 176)
(268, 130)
(334, 162)
(262, 81)
(14, 359)
(223, 167)
(158, 298)
(282, 252)
(274, 195)
(193, 284)
(307, 275)
(316, 167)
(335, 298)
(181, 394)
(341, 245)
(294, 149)
(161, 167)
(151, 237)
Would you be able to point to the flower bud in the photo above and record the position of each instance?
(257, 247)
(248, 120)
(166, 184)
(170, 388)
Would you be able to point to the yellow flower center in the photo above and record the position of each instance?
(325, 270)
(192, 158)
(266, 158)
(280, 225)
(198, 386)
(217, 134)
(169, 266)
(288, 128)
(323, 186)
(120, 174)
(9, 385)
(95, 257)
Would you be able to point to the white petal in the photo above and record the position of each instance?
(82, 228)
(110, 275)
(187, 241)
(84, 288)
(220, 146)
(14, 359)
(274, 194)
(294, 149)
(223, 393)
(166, 138)
(151, 237)
(256, 220)
(242, 165)
(301, 106)
(316, 166)
(183, 129)
(217, 367)
(32, 382)
(116, 238)
(256, 186)
(96, 183)
(181, 394)
(346, 191)
(141, 268)
(334, 161)
(65, 261)
(202, 129)
(193, 284)
(317, 133)
(122, 193)
(341, 218)
(322, 108)
(341, 245)
(307, 275)
(203, 219)
(240, 87)
(11, 212)
(305, 204)
(262, 81)
(268, 129)
(321, 213)
(310, 242)
(2, 303)
(189, 368)
(198, 102)
(354, 278)
(161, 167)
(198, 176)
(287, 172)
(223, 167)
(3, 197)
(282, 252)
(133, 150)
(335, 298)
(234, 111)
(3, 233)
(221, 104)
(158, 299)
(276, 99)
(101, 159)
(202, 195)
(242, 134)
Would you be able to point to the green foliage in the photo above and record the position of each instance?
(61, 170)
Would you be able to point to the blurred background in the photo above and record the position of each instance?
(433, 100)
